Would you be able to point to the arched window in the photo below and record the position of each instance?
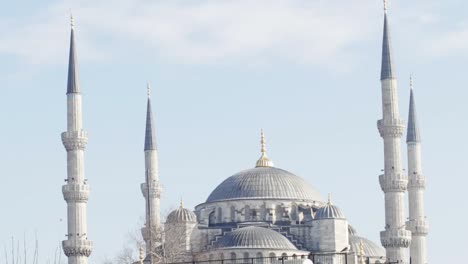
(272, 257)
(259, 258)
(246, 256)
(294, 256)
(233, 256)
(211, 218)
(284, 256)
(221, 256)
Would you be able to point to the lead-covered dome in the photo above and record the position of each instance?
(181, 215)
(254, 237)
(264, 183)
(329, 211)
(370, 249)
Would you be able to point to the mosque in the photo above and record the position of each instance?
(264, 213)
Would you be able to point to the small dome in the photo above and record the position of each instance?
(181, 215)
(370, 248)
(329, 211)
(254, 237)
(264, 183)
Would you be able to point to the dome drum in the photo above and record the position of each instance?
(270, 211)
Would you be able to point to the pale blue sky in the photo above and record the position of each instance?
(307, 71)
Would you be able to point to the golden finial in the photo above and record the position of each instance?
(361, 249)
(142, 255)
(411, 82)
(181, 203)
(148, 89)
(385, 6)
(263, 142)
(264, 161)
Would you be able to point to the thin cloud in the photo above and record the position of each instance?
(313, 32)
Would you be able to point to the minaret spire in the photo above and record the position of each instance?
(395, 238)
(388, 68)
(412, 134)
(151, 188)
(73, 85)
(150, 136)
(264, 161)
(417, 222)
(77, 247)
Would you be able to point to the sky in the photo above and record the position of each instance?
(307, 71)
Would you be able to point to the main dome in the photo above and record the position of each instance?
(264, 183)
(254, 237)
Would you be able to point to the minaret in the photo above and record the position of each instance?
(151, 189)
(417, 223)
(76, 192)
(395, 238)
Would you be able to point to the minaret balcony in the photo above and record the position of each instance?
(393, 182)
(395, 238)
(416, 181)
(391, 127)
(79, 247)
(75, 140)
(418, 226)
(74, 192)
(155, 190)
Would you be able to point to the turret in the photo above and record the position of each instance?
(178, 229)
(151, 188)
(417, 222)
(395, 238)
(77, 247)
(330, 230)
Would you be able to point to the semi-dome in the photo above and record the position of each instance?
(370, 249)
(181, 215)
(329, 211)
(264, 183)
(254, 237)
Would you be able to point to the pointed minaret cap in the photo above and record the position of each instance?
(388, 68)
(264, 161)
(412, 133)
(73, 85)
(150, 136)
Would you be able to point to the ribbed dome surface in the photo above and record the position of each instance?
(254, 237)
(329, 211)
(371, 249)
(264, 183)
(181, 215)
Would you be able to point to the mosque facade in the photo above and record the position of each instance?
(264, 212)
